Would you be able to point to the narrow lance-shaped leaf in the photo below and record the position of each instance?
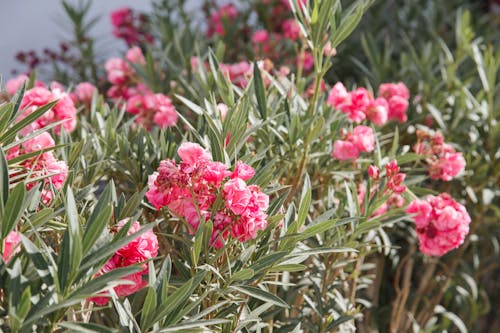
(259, 91)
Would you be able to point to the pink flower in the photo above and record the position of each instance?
(39, 142)
(10, 245)
(243, 171)
(46, 165)
(13, 85)
(260, 36)
(387, 90)
(291, 29)
(394, 178)
(306, 60)
(363, 138)
(354, 104)
(238, 73)
(215, 173)
(329, 51)
(121, 16)
(84, 92)
(118, 70)
(441, 223)
(345, 150)
(338, 96)
(193, 153)
(63, 110)
(139, 250)
(191, 190)
(397, 96)
(373, 172)
(444, 162)
(378, 111)
(222, 108)
(221, 19)
(135, 56)
(448, 166)
(237, 195)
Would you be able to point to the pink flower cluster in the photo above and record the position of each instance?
(150, 108)
(221, 19)
(444, 162)
(361, 139)
(441, 223)
(64, 110)
(192, 190)
(130, 27)
(138, 251)
(10, 245)
(54, 171)
(359, 104)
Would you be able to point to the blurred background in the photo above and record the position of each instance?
(36, 25)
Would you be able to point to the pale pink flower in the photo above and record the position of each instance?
(329, 50)
(448, 166)
(338, 96)
(118, 71)
(222, 108)
(10, 245)
(378, 111)
(345, 150)
(84, 92)
(39, 142)
(64, 109)
(363, 138)
(13, 85)
(135, 56)
(441, 223)
(193, 153)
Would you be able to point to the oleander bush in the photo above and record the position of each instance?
(256, 166)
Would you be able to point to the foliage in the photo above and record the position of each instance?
(258, 87)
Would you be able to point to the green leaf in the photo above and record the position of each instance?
(150, 304)
(195, 324)
(12, 132)
(305, 202)
(259, 91)
(4, 181)
(98, 283)
(288, 268)
(14, 209)
(244, 274)
(177, 298)
(86, 327)
(95, 228)
(261, 295)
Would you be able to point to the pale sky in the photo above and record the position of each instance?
(36, 24)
